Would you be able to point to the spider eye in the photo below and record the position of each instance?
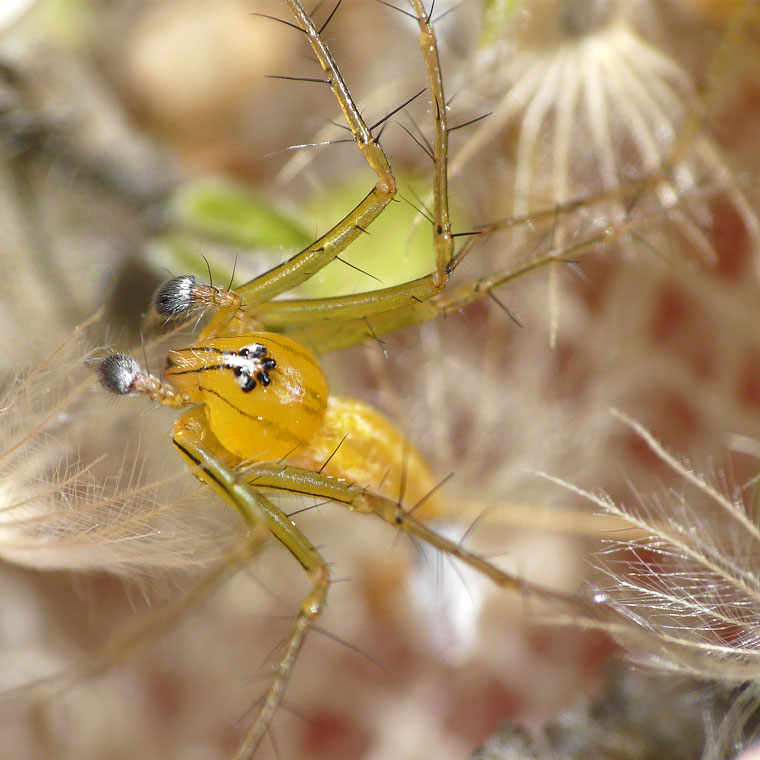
(247, 383)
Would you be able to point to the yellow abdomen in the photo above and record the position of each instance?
(365, 449)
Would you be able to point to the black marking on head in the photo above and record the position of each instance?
(255, 351)
(196, 370)
(249, 365)
(280, 432)
(118, 372)
(198, 349)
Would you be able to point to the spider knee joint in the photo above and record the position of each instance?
(386, 186)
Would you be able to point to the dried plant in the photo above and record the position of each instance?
(59, 513)
(485, 400)
(583, 98)
(687, 585)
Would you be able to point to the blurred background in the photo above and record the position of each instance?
(143, 140)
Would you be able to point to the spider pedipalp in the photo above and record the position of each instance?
(182, 296)
(118, 374)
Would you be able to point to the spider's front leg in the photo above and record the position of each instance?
(306, 482)
(212, 464)
(263, 397)
(326, 248)
(237, 312)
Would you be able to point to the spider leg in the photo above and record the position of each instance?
(299, 312)
(291, 479)
(214, 466)
(341, 322)
(322, 322)
(240, 485)
(303, 265)
(326, 248)
(443, 240)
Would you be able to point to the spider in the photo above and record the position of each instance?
(259, 417)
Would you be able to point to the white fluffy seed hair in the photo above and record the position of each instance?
(688, 582)
(58, 513)
(583, 100)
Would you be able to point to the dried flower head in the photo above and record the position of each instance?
(58, 513)
(585, 98)
(686, 585)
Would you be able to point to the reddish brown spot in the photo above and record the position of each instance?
(166, 693)
(679, 327)
(477, 714)
(598, 650)
(331, 735)
(749, 379)
(598, 273)
(730, 240)
(671, 419)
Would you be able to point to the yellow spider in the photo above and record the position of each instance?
(260, 415)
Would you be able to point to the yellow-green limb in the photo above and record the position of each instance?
(213, 466)
(442, 237)
(304, 264)
(283, 477)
